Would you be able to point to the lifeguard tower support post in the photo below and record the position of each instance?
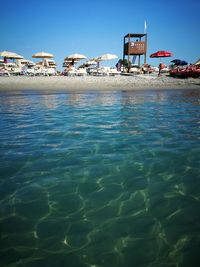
(135, 45)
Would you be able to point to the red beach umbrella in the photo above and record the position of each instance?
(161, 54)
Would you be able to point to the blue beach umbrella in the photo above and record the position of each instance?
(179, 62)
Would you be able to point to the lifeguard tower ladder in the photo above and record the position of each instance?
(135, 45)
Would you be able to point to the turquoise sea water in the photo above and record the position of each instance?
(95, 179)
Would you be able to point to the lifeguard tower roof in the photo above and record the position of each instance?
(136, 35)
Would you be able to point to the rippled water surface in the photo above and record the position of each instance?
(100, 179)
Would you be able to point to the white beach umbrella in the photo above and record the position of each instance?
(94, 59)
(42, 55)
(75, 57)
(106, 57)
(11, 55)
(26, 61)
(16, 56)
(68, 61)
(91, 62)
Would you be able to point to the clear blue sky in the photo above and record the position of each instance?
(94, 27)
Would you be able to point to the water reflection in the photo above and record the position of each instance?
(124, 98)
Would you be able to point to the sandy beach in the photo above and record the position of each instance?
(121, 82)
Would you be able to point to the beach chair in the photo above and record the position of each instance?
(92, 71)
(72, 72)
(41, 72)
(81, 72)
(100, 72)
(16, 71)
(29, 72)
(51, 71)
(112, 71)
(4, 72)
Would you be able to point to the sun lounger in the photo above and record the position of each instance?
(4, 72)
(51, 71)
(81, 72)
(107, 71)
(41, 72)
(113, 72)
(97, 72)
(92, 71)
(29, 72)
(71, 72)
(16, 71)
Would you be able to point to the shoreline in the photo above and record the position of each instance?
(103, 83)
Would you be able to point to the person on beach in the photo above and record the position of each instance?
(161, 66)
(118, 65)
(5, 60)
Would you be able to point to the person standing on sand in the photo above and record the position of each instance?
(161, 66)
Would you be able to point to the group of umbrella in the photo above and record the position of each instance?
(176, 62)
(74, 58)
(10, 55)
(70, 59)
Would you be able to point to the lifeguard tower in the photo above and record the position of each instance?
(135, 46)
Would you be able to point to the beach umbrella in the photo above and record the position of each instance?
(42, 55)
(11, 55)
(66, 63)
(197, 63)
(183, 63)
(176, 61)
(46, 63)
(88, 63)
(91, 62)
(16, 56)
(179, 62)
(106, 57)
(94, 59)
(161, 54)
(69, 62)
(28, 62)
(74, 58)
(23, 62)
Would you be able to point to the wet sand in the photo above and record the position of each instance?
(121, 82)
